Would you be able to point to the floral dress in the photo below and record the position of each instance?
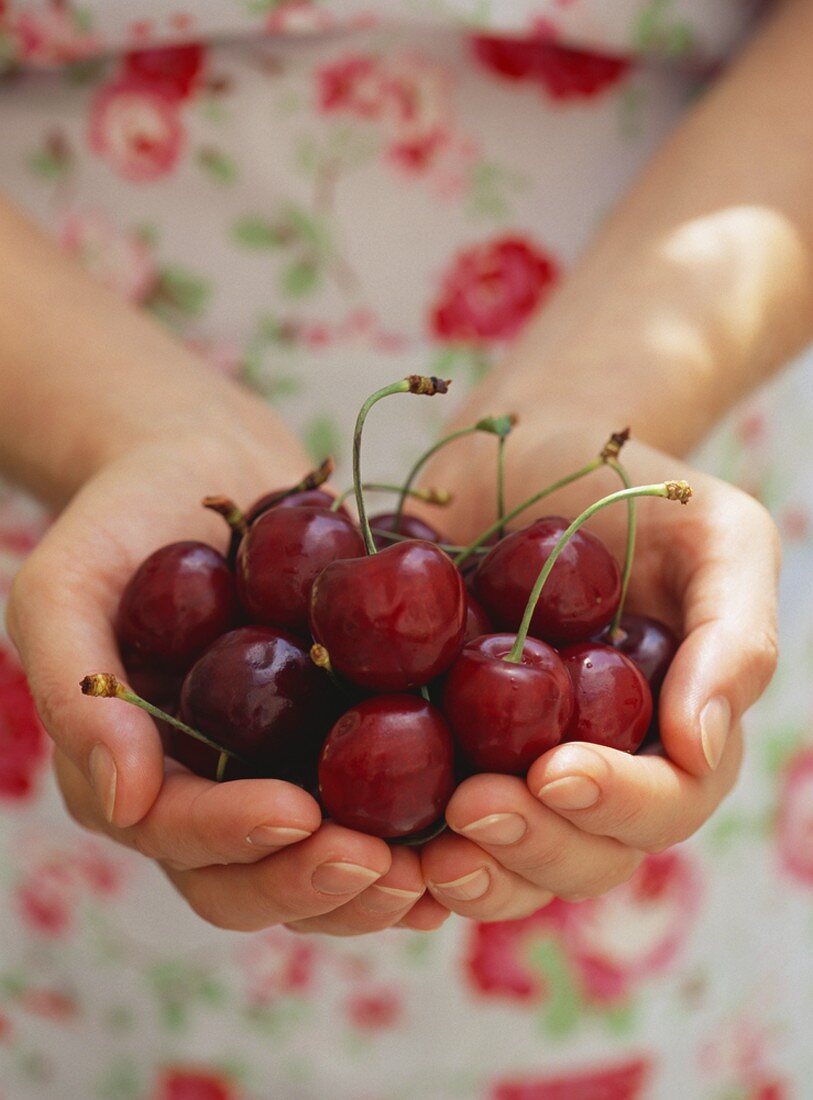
(321, 197)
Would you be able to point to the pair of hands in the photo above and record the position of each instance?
(251, 853)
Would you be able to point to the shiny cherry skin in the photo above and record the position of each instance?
(257, 692)
(580, 596)
(305, 498)
(612, 700)
(477, 621)
(649, 643)
(504, 715)
(387, 766)
(176, 603)
(409, 526)
(391, 620)
(281, 555)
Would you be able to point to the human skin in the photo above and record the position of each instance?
(697, 288)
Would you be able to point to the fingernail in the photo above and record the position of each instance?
(103, 776)
(715, 722)
(342, 878)
(573, 792)
(497, 829)
(388, 899)
(467, 888)
(272, 836)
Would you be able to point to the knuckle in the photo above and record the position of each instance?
(208, 904)
(145, 841)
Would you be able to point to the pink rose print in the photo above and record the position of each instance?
(492, 289)
(408, 96)
(613, 942)
(116, 258)
(136, 129)
(374, 1010)
(50, 1004)
(45, 900)
(22, 738)
(564, 73)
(174, 71)
(738, 1056)
(55, 880)
(794, 831)
(278, 964)
(181, 1083)
(298, 17)
(620, 1082)
(53, 35)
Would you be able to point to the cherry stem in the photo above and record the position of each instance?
(671, 490)
(428, 496)
(611, 448)
(413, 383)
(104, 685)
(629, 554)
(226, 508)
(321, 658)
(496, 425)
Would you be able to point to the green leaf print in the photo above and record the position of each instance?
(322, 438)
(654, 32)
(178, 294)
(490, 189)
(299, 278)
(217, 165)
(254, 232)
(120, 1081)
(563, 1004)
(49, 164)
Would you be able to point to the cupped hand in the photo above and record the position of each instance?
(245, 854)
(584, 817)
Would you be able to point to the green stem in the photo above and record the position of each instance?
(104, 685)
(448, 547)
(629, 554)
(501, 484)
(428, 496)
(495, 425)
(671, 490)
(414, 383)
(467, 551)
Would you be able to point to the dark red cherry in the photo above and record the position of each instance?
(409, 526)
(305, 498)
(612, 700)
(392, 620)
(477, 622)
(281, 555)
(580, 596)
(176, 603)
(199, 758)
(649, 643)
(387, 766)
(257, 692)
(504, 715)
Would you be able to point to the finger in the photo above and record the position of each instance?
(379, 906)
(645, 801)
(426, 915)
(500, 814)
(195, 822)
(307, 879)
(59, 618)
(729, 654)
(468, 881)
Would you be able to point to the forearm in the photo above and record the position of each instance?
(700, 284)
(84, 376)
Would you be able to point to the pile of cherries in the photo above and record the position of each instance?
(376, 665)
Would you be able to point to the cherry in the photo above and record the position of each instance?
(393, 620)
(580, 597)
(649, 643)
(505, 714)
(281, 555)
(387, 767)
(176, 603)
(612, 700)
(406, 525)
(477, 622)
(305, 498)
(257, 693)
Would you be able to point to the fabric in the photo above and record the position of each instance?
(359, 192)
